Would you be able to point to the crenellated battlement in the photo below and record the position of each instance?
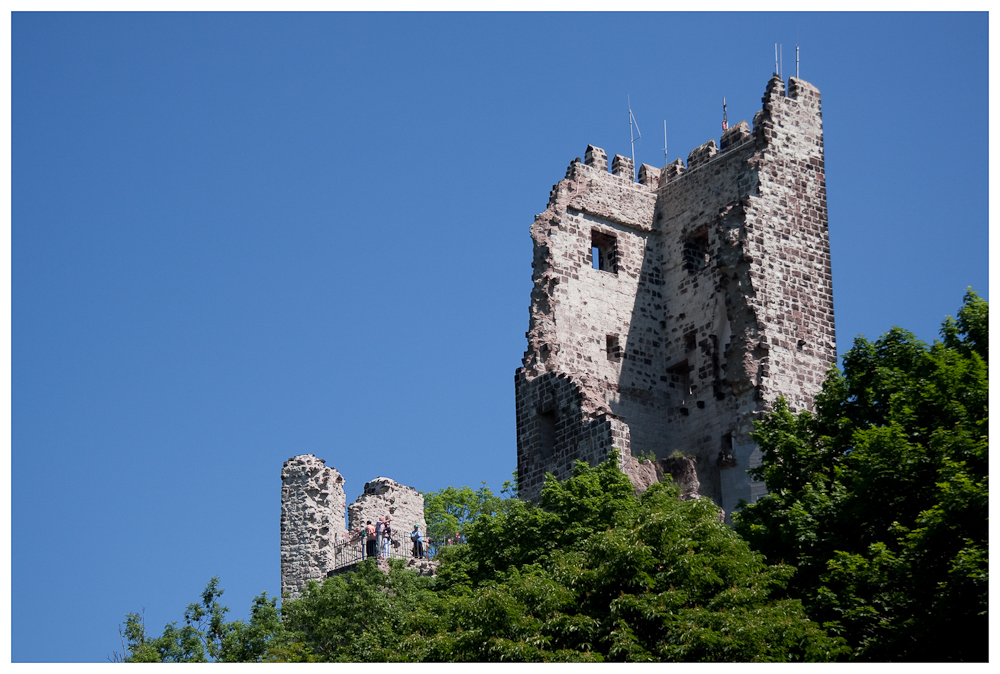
(596, 158)
(803, 95)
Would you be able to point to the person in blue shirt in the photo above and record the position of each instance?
(418, 542)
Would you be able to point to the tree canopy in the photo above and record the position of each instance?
(595, 573)
(880, 497)
(451, 510)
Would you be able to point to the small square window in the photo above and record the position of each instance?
(603, 252)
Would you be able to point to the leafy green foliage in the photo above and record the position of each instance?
(880, 497)
(451, 511)
(361, 616)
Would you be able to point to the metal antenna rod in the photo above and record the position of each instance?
(775, 58)
(725, 117)
(796, 61)
(664, 143)
(633, 137)
(781, 62)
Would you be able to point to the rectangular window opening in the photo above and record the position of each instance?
(546, 429)
(603, 252)
(613, 348)
(690, 341)
(679, 381)
(696, 254)
(727, 457)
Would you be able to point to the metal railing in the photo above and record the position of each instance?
(353, 551)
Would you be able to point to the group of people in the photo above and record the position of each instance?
(379, 536)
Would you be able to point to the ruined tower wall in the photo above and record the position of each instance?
(795, 274)
(580, 317)
(707, 312)
(383, 497)
(753, 319)
(312, 520)
(716, 300)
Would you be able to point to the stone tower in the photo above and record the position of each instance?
(312, 521)
(667, 314)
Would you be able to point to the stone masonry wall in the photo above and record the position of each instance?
(384, 497)
(312, 520)
(580, 318)
(711, 298)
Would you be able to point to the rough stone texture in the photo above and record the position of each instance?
(381, 497)
(711, 298)
(312, 520)
(314, 540)
(643, 474)
(682, 472)
(423, 567)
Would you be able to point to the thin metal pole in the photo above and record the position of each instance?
(632, 137)
(664, 143)
(775, 58)
(781, 62)
(796, 61)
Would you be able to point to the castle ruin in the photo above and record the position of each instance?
(315, 543)
(667, 314)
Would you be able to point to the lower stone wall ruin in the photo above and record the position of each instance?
(314, 540)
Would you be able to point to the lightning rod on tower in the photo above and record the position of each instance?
(633, 136)
(664, 143)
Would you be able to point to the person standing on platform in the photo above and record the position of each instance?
(418, 542)
(386, 538)
(370, 539)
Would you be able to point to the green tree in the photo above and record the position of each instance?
(451, 510)
(594, 573)
(880, 497)
(136, 646)
(361, 616)
(205, 635)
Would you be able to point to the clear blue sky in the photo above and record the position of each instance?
(238, 238)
